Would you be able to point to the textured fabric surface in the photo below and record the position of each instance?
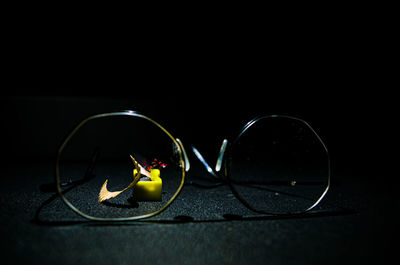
(203, 226)
(355, 224)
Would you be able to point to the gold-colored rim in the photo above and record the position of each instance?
(178, 144)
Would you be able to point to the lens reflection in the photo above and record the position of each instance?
(100, 150)
(279, 165)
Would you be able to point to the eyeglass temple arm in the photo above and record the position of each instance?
(219, 160)
(221, 155)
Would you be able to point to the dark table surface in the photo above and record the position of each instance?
(353, 225)
(356, 222)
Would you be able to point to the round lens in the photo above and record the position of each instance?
(279, 165)
(98, 166)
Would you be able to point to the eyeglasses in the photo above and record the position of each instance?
(124, 166)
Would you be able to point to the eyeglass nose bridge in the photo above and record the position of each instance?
(185, 157)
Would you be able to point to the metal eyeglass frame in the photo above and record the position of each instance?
(222, 162)
(225, 155)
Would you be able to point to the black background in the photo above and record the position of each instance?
(202, 77)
